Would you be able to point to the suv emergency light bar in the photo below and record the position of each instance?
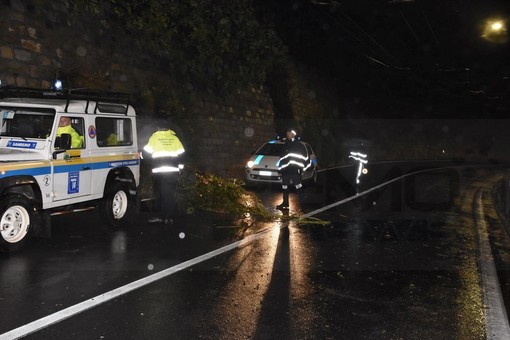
(73, 94)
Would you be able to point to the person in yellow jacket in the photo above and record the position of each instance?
(64, 126)
(112, 139)
(165, 151)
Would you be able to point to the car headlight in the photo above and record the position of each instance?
(250, 164)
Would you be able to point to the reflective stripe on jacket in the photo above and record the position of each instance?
(294, 156)
(164, 143)
(165, 149)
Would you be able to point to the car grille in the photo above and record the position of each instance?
(265, 178)
(255, 175)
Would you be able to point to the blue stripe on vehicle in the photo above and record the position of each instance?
(45, 170)
(258, 159)
(68, 168)
(95, 166)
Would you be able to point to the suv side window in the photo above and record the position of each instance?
(79, 127)
(73, 126)
(114, 132)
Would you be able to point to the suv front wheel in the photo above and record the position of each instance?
(115, 205)
(17, 218)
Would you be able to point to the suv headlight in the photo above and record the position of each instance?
(250, 164)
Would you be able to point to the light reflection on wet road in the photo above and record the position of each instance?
(389, 265)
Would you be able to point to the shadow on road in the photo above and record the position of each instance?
(274, 320)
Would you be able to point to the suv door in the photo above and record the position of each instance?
(72, 170)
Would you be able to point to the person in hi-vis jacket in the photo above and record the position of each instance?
(64, 126)
(291, 164)
(165, 151)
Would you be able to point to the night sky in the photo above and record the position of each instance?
(404, 58)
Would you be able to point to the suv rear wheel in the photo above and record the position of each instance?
(17, 216)
(115, 205)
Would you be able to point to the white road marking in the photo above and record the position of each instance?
(496, 318)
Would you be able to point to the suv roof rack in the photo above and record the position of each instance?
(72, 94)
(98, 97)
(7, 91)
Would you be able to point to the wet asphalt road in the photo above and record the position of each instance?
(400, 262)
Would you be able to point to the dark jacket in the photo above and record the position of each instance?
(294, 157)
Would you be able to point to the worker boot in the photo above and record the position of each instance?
(285, 204)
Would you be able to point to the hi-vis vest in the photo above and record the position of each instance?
(294, 157)
(165, 149)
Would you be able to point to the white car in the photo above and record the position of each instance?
(262, 165)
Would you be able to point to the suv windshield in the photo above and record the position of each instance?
(26, 122)
(270, 149)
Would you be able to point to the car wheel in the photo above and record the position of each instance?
(17, 216)
(115, 205)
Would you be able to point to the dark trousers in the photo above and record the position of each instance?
(289, 177)
(164, 187)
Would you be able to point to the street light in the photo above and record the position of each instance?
(495, 31)
(497, 26)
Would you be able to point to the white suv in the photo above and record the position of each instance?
(43, 174)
